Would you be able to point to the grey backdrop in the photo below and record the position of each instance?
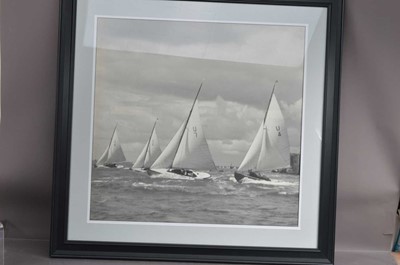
(369, 128)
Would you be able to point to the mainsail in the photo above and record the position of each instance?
(188, 148)
(270, 148)
(113, 153)
(150, 152)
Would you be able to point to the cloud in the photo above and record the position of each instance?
(293, 114)
(133, 89)
(292, 111)
(247, 43)
(225, 154)
(181, 77)
(227, 120)
(294, 139)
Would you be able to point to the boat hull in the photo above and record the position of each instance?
(181, 173)
(251, 175)
(109, 166)
(141, 170)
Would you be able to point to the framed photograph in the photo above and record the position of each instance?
(197, 130)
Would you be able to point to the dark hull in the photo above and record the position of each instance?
(251, 175)
(111, 165)
(106, 165)
(152, 172)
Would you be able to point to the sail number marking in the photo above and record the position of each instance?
(278, 129)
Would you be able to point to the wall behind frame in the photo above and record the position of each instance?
(369, 131)
(369, 148)
(29, 78)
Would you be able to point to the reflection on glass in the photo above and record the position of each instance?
(1, 244)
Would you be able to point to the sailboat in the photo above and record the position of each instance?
(188, 151)
(113, 153)
(270, 148)
(150, 152)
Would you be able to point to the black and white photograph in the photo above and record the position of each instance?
(197, 122)
(198, 131)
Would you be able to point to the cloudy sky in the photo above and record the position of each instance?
(148, 69)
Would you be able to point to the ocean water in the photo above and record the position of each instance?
(126, 195)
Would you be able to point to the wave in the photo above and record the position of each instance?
(101, 181)
(171, 177)
(284, 193)
(125, 195)
(272, 182)
(288, 193)
(168, 187)
(225, 185)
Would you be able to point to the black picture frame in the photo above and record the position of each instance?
(60, 246)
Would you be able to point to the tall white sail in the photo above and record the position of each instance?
(153, 150)
(150, 152)
(193, 151)
(250, 161)
(166, 158)
(103, 158)
(188, 148)
(270, 148)
(113, 153)
(139, 163)
(275, 148)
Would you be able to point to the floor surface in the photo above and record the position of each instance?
(35, 252)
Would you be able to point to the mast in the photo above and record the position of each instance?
(148, 143)
(269, 102)
(275, 146)
(254, 151)
(187, 120)
(186, 149)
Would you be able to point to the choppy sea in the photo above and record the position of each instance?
(126, 195)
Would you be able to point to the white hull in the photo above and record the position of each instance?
(191, 174)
